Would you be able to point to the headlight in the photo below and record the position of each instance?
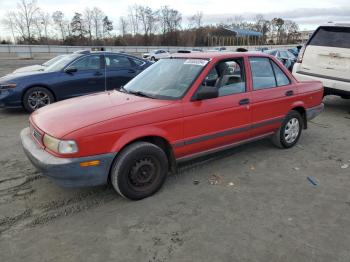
(6, 86)
(60, 146)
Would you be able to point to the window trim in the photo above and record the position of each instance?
(273, 70)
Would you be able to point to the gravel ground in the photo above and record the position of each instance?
(252, 203)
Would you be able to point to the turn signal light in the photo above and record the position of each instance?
(90, 163)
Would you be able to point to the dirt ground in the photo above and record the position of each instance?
(252, 203)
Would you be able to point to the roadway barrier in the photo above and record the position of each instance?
(49, 51)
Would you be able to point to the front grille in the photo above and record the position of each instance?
(36, 134)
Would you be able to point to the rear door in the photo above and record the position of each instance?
(119, 70)
(328, 53)
(272, 94)
(216, 122)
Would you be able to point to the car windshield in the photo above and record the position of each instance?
(53, 60)
(61, 63)
(166, 79)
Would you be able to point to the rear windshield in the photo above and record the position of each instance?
(332, 37)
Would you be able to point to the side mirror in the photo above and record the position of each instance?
(206, 92)
(70, 70)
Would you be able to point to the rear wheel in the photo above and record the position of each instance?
(139, 171)
(289, 132)
(153, 59)
(37, 97)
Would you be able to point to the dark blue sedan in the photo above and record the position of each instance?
(74, 75)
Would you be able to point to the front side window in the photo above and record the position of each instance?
(167, 79)
(227, 77)
(262, 73)
(117, 61)
(91, 62)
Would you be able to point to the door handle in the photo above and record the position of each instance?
(132, 71)
(98, 73)
(244, 101)
(289, 93)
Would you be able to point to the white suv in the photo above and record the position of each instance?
(326, 58)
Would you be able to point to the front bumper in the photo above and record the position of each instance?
(67, 171)
(10, 98)
(312, 112)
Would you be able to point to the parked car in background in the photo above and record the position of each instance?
(295, 50)
(38, 67)
(326, 58)
(186, 51)
(286, 57)
(155, 55)
(217, 49)
(262, 49)
(73, 75)
(179, 108)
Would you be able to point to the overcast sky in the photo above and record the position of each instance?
(307, 13)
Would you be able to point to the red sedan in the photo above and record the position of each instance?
(179, 108)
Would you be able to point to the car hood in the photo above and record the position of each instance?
(29, 69)
(62, 118)
(16, 77)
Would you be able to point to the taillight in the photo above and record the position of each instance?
(301, 54)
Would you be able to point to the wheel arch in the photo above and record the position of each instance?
(302, 111)
(38, 85)
(157, 138)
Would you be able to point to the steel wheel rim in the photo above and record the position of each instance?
(38, 99)
(144, 173)
(291, 130)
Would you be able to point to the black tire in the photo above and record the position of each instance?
(153, 58)
(287, 139)
(36, 97)
(139, 171)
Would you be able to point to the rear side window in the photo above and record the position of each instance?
(117, 61)
(267, 74)
(262, 73)
(281, 78)
(332, 37)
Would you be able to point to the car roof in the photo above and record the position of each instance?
(217, 55)
(335, 24)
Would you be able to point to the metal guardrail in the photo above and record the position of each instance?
(48, 51)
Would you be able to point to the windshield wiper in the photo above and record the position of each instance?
(140, 93)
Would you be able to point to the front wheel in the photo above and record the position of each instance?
(139, 171)
(289, 132)
(37, 97)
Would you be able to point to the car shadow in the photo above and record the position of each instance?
(337, 104)
(13, 111)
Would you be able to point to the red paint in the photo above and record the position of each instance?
(106, 122)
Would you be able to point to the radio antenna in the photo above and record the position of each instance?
(105, 63)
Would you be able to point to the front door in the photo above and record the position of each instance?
(88, 78)
(216, 122)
